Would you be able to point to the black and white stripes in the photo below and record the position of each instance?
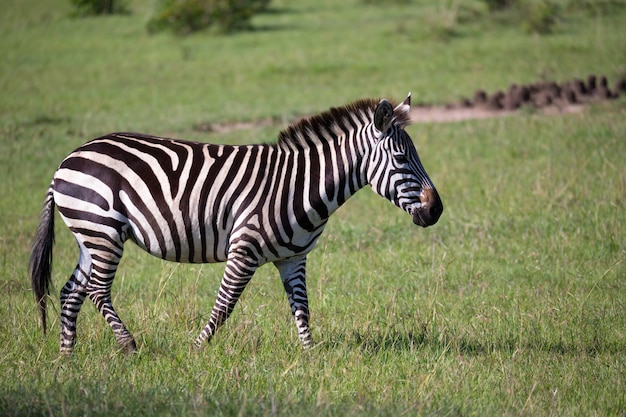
(245, 205)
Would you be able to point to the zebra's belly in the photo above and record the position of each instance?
(257, 246)
(196, 245)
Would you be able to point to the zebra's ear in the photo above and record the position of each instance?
(383, 115)
(404, 107)
(402, 112)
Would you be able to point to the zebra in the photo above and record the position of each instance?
(246, 205)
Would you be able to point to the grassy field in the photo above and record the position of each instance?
(513, 304)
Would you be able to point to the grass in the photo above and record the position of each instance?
(513, 304)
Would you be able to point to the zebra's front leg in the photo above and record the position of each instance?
(237, 274)
(293, 274)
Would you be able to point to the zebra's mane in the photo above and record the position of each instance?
(335, 121)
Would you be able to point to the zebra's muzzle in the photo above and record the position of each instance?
(428, 212)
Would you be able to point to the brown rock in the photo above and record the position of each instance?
(513, 98)
(603, 93)
(591, 83)
(554, 89)
(525, 94)
(579, 87)
(511, 102)
(494, 102)
(542, 99)
(569, 95)
(480, 97)
(465, 102)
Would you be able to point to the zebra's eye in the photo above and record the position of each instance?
(401, 158)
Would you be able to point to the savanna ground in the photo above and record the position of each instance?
(513, 304)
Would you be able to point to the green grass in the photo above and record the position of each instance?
(513, 304)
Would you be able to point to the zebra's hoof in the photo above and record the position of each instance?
(307, 343)
(129, 347)
(198, 345)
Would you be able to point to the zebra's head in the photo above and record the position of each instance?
(395, 170)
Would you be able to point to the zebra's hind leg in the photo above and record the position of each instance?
(105, 260)
(99, 291)
(293, 274)
(237, 274)
(72, 296)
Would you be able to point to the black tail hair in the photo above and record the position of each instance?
(40, 264)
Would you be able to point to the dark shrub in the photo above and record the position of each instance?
(539, 16)
(98, 7)
(187, 16)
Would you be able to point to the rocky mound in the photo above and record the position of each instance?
(549, 93)
(547, 96)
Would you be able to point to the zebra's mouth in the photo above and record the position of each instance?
(418, 220)
(426, 214)
(414, 211)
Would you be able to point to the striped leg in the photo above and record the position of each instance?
(99, 291)
(72, 296)
(293, 274)
(237, 274)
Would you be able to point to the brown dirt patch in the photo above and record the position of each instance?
(547, 97)
(446, 114)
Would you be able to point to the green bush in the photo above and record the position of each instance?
(535, 16)
(384, 2)
(597, 6)
(186, 16)
(98, 7)
(539, 16)
(498, 4)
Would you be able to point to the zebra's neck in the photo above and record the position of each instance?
(330, 153)
(338, 122)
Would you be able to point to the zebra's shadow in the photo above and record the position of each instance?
(419, 340)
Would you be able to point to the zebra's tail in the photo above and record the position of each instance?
(40, 264)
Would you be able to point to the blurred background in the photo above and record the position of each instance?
(513, 304)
